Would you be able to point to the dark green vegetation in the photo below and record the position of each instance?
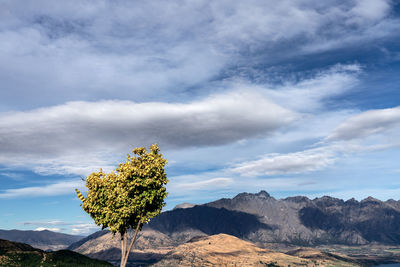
(15, 254)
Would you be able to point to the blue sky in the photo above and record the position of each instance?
(291, 97)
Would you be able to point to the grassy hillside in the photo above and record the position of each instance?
(13, 254)
(226, 250)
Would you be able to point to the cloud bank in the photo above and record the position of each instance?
(78, 136)
(217, 120)
(53, 53)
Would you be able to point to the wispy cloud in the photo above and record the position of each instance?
(309, 95)
(45, 222)
(290, 163)
(12, 175)
(366, 132)
(214, 183)
(366, 124)
(54, 229)
(55, 189)
(76, 228)
(84, 228)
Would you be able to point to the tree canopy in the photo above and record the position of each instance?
(129, 196)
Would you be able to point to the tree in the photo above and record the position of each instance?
(127, 197)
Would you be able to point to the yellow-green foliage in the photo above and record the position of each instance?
(132, 194)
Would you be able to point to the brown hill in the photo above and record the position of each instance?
(227, 250)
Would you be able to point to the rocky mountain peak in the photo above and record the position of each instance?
(263, 194)
(370, 199)
(328, 201)
(297, 199)
(352, 201)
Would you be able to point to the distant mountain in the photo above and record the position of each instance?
(45, 240)
(19, 254)
(150, 247)
(261, 219)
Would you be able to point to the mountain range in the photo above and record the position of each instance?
(261, 219)
(45, 240)
(325, 220)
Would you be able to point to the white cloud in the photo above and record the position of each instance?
(56, 189)
(369, 11)
(84, 228)
(78, 136)
(366, 132)
(308, 95)
(254, 21)
(366, 124)
(290, 163)
(214, 183)
(75, 228)
(12, 175)
(54, 229)
(45, 222)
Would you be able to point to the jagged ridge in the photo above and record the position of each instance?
(262, 219)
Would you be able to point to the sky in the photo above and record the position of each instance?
(291, 97)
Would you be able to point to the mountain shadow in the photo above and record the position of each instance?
(208, 220)
(372, 220)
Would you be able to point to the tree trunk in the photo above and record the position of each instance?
(125, 250)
